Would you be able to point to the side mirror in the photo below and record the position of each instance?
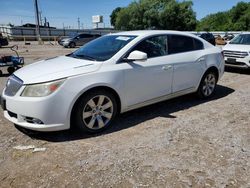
(136, 56)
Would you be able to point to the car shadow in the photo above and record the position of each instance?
(237, 70)
(133, 118)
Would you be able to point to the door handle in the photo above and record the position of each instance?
(201, 59)
(166, 67)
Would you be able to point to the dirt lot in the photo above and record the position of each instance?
(183, 142)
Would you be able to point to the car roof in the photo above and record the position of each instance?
(144, 33)
(245, 33)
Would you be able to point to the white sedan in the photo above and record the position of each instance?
(110, 75)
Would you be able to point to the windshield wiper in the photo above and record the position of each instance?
(84, 57)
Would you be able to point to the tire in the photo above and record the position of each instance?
(207, 85)
(1, 72)
(72, 45)
(94, 111)
(10, 70)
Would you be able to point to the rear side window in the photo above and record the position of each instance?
(198, 45)
(85, 36)
(179, 44)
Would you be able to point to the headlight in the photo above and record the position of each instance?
(41, 90)
(67, 40)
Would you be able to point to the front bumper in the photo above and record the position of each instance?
(65, 43)
(40, 114)
(238, 62)
(20, 121)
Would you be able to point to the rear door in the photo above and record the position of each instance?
(187, 57)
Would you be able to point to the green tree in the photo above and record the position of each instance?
(237, 19)
(156, 14)
(178, 16)
(113, 15)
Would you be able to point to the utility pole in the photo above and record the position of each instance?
(78, 21)
(45, 22)
(40, 18)
(37, 22)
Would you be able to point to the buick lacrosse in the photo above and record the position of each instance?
(110, 75)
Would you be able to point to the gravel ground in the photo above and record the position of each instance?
(185, 142)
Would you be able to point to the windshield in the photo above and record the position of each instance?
(102, 48)
(241, 39)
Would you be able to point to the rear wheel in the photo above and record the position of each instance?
(95, 111)
(207, 85)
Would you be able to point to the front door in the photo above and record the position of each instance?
(152, 78)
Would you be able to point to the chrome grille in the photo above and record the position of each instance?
(13, 85)
(235, 54)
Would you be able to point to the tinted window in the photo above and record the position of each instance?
(198, 45)
(178, 44)
(153, 47)
(85, 36)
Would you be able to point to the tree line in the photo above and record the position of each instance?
(175, 15)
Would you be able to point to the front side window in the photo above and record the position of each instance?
(153, 46)
(103, 48)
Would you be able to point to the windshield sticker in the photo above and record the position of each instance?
(123, 38)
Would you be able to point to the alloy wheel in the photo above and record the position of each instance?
(98, 112)
(209, 84)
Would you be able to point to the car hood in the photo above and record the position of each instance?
(237, 47)
(56, 68)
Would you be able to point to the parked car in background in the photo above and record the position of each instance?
(77, 40)
(208, 37)
(228, 36)
(3, 41)
(110, 75)
(237, 51)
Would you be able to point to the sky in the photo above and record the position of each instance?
(66, 12)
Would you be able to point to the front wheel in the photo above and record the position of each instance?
(72, 45)
(207, 85)
(95, 111)
(11, 70)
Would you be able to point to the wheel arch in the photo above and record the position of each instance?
(213, 69)
(101, 87)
